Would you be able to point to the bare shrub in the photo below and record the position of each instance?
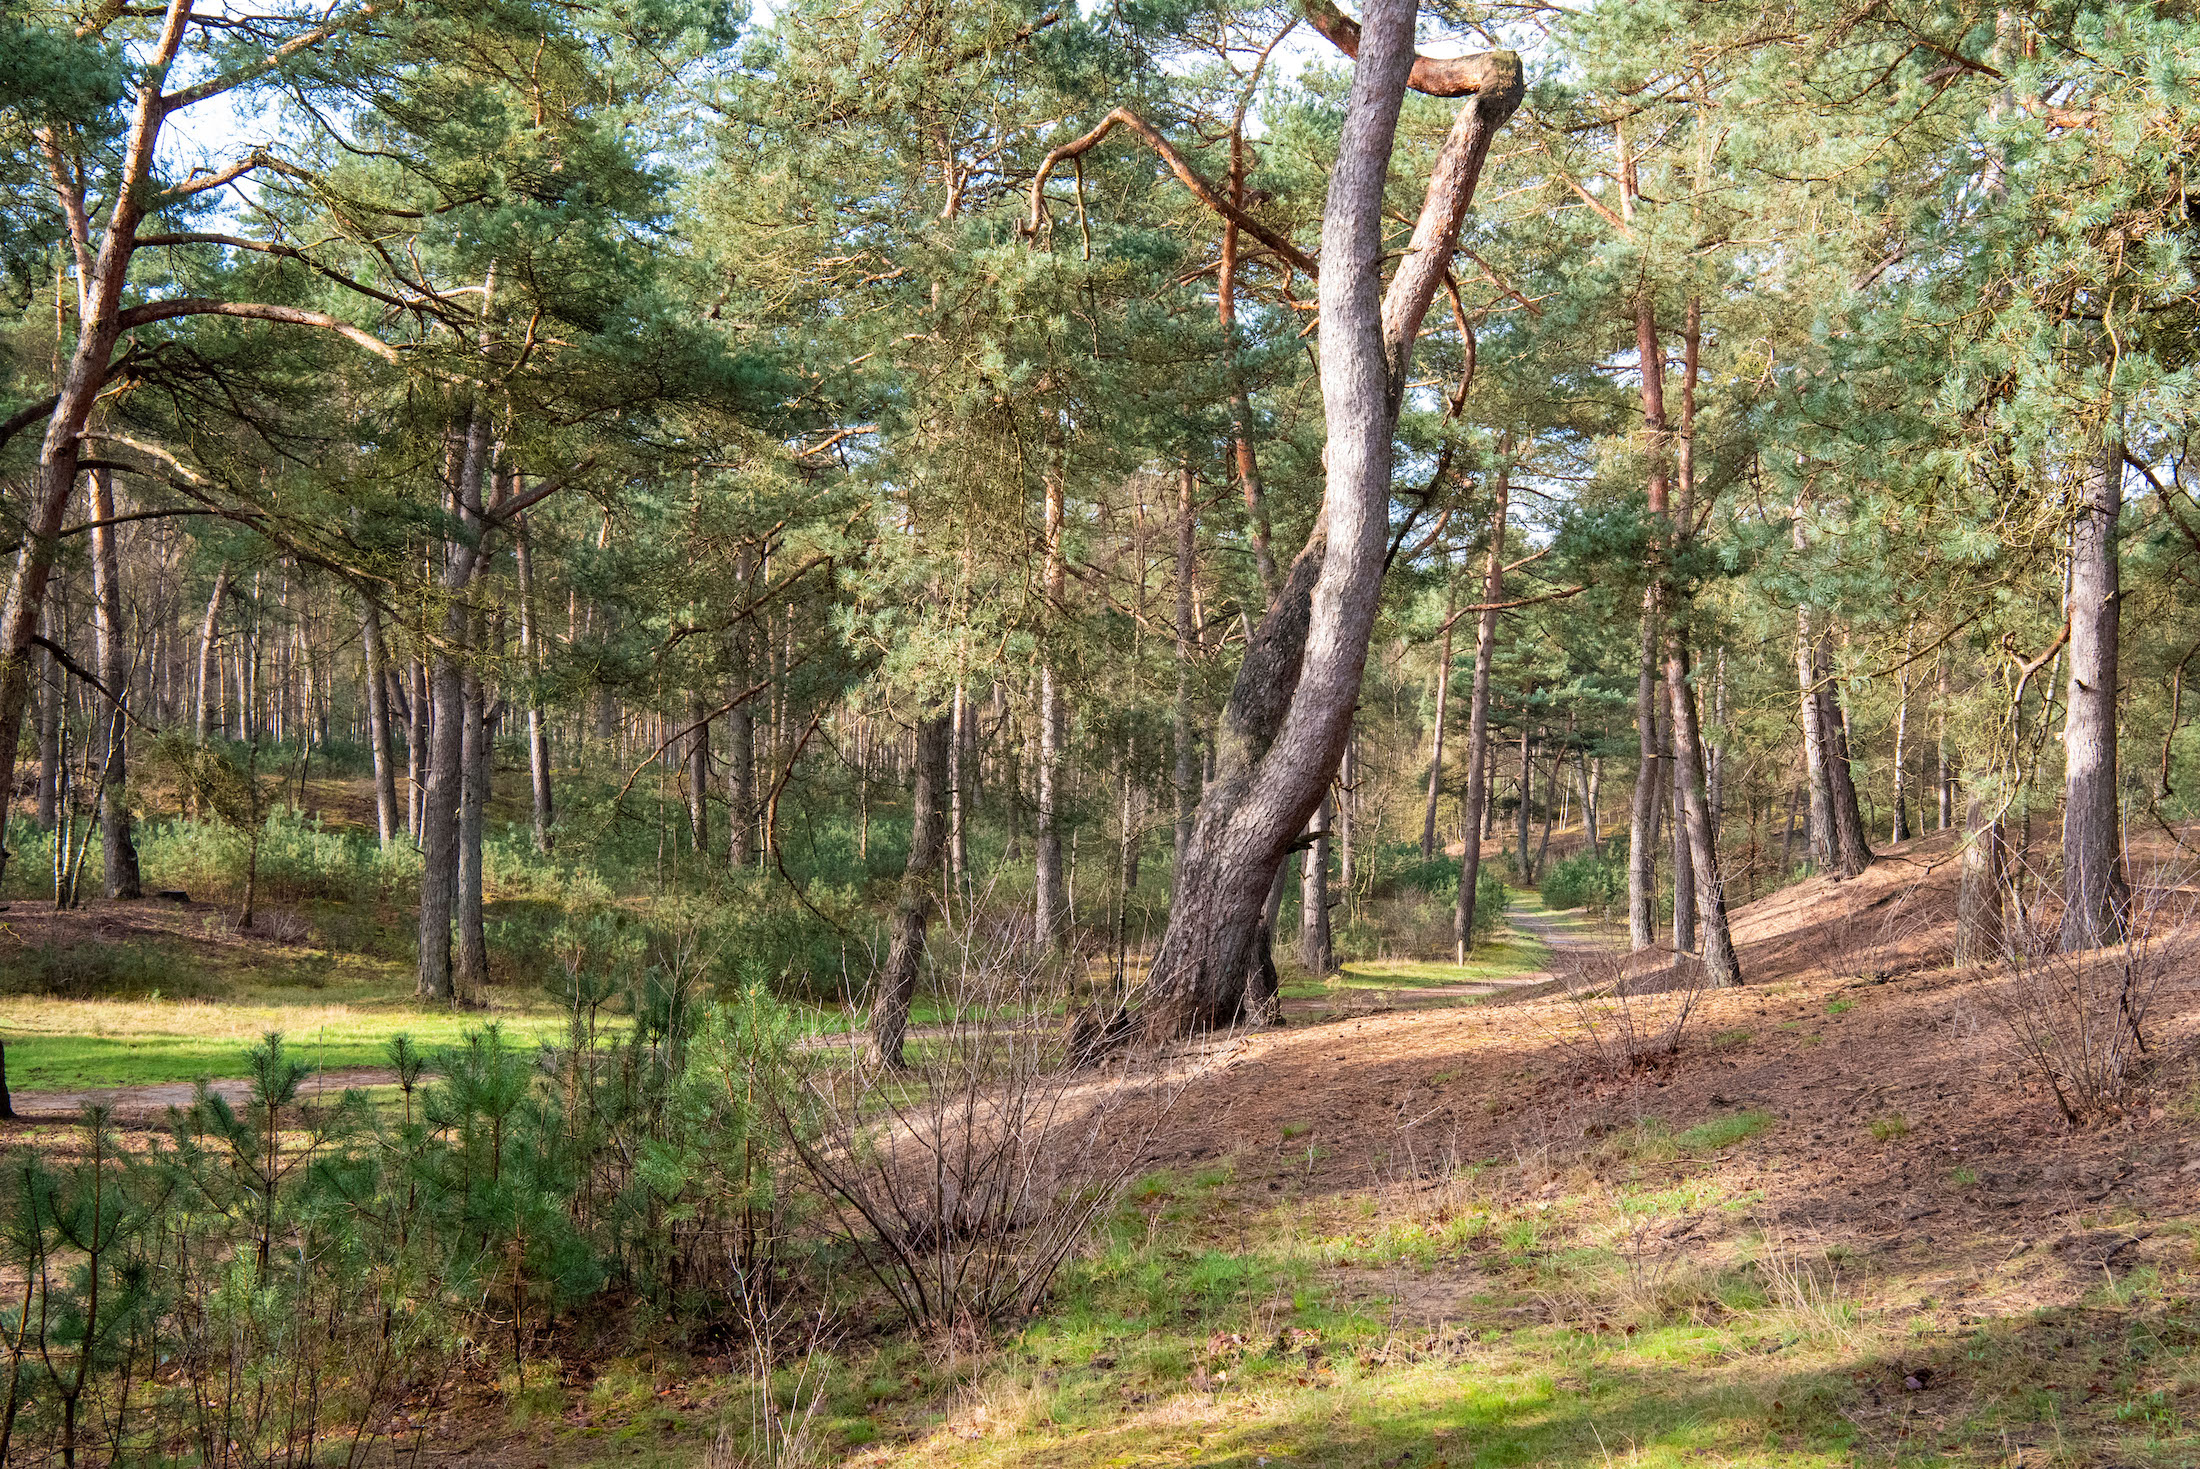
(1625, 1023)
(964, 1180)
(2077, 1022)
(1882, 939)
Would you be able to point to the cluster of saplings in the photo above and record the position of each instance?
(295, 1277)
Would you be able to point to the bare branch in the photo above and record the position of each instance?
(153, 311)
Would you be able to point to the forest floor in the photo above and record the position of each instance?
(1841, 1223)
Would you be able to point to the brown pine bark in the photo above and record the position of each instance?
(1314, 946)
(530, 650)
(2096, 893)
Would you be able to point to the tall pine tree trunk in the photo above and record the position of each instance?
(1642, 823)
(920, 880)
(1290, 713)
(2096, 894)
(209, 676)
(697, 765)
(1900, 830)
(446, 742)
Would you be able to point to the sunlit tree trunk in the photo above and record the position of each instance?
(2096, 894)
(1051, 896)
(530, 651)
(1436, 737)
(118, 849)
(1314, 896)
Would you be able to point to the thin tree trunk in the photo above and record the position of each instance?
(441, 792)
(209, 679)
(1346, 818)
(378, 723)
(1944, 772)
(1591, 778)
(1314, 952)
(1982, 935)
(1642, 837)
(1247, 461)
(1478, 803)
(477, 755)
(52, 708)
(2096, 894)
(1526, 784)
(897, 981)
(1900, 831)
(1052, 917)
(741, 735)
(1436, 738)
(118, 849)
(1187, 740)
(698, 774)
(1684, 871)
(1715, 755)
(419, 729)
(530, 652)
(958, 775)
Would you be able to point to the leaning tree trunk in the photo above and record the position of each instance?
(1290, 714)
(897, 981)
(2096, 894)
(118, 851)
(1477, 802)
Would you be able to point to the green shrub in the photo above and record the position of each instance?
(1584, 881)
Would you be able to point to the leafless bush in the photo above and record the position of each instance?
(1624, 1023)
(963, 1181)
(2078, 1021)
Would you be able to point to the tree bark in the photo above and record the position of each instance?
(1719, 960)
(1684, 870)
(741, 735)
(1982, 935)
(1436, 738)
(1052, 917)
(1900, 829)
(52, 708)
(1526, 784)
(698, 774)
(1291, 711)
(209, 674)
(1186, 737)
(378, 723)
(530, 650)
(1314, 948)
(477, 759)
(897, 981)
(118, 850)
(2096, 894)
(1642, 831)
(446, 742)
(1477, 802)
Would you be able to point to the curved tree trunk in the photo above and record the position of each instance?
(1291, 711)
(897, 981)
(2096, 894)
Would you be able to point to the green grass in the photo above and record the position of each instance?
(1723, 1132)
(1888, 1128)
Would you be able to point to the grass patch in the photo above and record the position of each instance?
(1886, 1129)
(1723, 1132)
